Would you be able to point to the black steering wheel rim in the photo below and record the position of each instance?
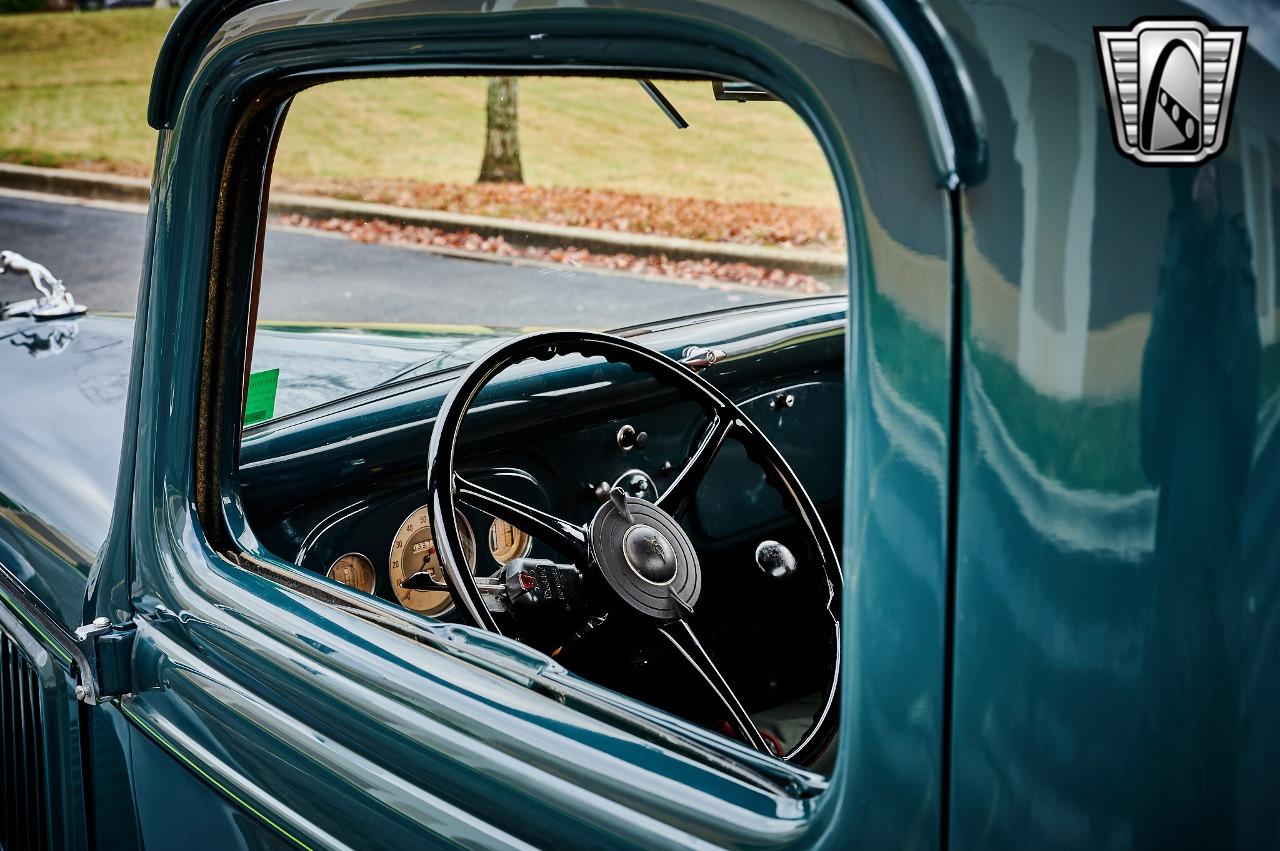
(445, 489)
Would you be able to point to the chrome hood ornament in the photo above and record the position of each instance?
(55, 301)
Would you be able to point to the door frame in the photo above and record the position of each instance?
(201, 587)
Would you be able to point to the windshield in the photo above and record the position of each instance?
(415, 222)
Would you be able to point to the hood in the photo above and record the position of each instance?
(319, 363)
(63, 391)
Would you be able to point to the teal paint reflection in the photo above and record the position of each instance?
(1200, 388)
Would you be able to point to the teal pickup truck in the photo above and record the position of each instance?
(976, 547)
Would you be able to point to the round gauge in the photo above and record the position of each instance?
(353, 570)
(414, 550)
(506, 542)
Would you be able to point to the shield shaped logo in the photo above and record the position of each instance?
(1170, 85)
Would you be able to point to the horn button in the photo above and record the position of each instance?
(649, 554)
(645, 557)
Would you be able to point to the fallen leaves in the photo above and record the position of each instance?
(706, 271)
(744, 223)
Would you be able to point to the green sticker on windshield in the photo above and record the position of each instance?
(260, 401)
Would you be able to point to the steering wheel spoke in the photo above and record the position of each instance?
(681, 634)
(676, 498)
(551, 530)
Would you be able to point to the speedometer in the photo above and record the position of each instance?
(414, 550)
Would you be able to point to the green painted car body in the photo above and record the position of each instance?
(1060, 396)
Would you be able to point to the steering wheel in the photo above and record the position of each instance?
(633, 557)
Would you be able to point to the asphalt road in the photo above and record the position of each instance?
(96, 249)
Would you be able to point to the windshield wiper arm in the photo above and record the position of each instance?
(663, 104)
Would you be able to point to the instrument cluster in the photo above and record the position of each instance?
(377, 543)
(376, 558)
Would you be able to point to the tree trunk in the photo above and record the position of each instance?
(502, 142)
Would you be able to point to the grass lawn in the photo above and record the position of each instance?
(73, 91)
(73, 87)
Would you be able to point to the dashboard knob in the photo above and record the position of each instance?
(628, 438)
(637, 483)
(775, 560)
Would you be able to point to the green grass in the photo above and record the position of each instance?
(73, 89)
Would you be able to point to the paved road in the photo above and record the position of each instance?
(97, 251)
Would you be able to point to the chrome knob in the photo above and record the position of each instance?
(700, 357)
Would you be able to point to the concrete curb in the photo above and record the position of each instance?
(827, 266)
(83, 184)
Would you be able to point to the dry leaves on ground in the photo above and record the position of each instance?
(745, 223)
(702, 270)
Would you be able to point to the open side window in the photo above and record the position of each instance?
(593, 524)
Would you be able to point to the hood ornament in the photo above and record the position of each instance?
(55, 301)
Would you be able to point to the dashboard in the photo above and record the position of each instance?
(340, 490)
